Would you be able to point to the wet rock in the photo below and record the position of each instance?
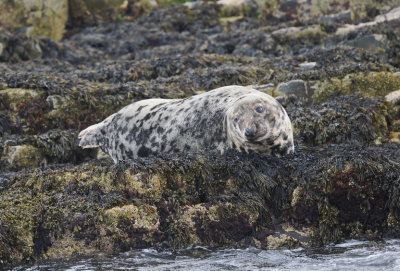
(178, 201)
(47, 17)
(140, 224)
(23, 156)
(297, 88)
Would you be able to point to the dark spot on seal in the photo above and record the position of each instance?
(147, 117)
(144, 152)
(156, 106)
(141, 107)
(155, 144)
(160, 130)
(129, 153)
(285, 136)
(269, 141)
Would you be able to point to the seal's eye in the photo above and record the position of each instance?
(236, 118)
(260, 109)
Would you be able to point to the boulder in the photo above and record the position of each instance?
(393, 96)
(46, 17)
(346, 16)
(374, 43)
(297, 88)
(23, 157)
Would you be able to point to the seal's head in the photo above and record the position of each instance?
(258, 122)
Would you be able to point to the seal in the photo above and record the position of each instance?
(228, 117)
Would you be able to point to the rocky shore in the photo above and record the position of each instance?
(334, 66)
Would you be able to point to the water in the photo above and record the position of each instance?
(351, 255)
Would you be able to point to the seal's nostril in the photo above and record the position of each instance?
(250, 132)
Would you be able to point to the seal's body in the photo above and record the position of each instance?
(223, 118)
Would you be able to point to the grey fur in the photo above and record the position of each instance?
(215, 120)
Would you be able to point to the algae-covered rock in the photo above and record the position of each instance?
(23, 156)
(46, 17)
(369, 84)
(235, 200)
(344, 119)
(85, 11)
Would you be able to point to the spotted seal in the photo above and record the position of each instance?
(220, 119)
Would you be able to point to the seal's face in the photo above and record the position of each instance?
(259, 122)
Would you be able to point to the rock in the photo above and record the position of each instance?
(20, 47)
(373, 84)
(232, 3)
(89, 11)
(228, 200)
(5, 127)
(285, 33)
(296, 33)
(307, 66)
(3, 85)
(393, 96)
(297, 88)
(137, 8)
(55, 101)
(18, 95)
(290, 9)
(2, 46)
(373, 43)
(346, 16)
(141, 223)
(23, 156)
(394, 14)
(47, 17)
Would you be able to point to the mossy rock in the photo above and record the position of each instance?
(344, 119)
(23, 157)
(211, 200)
(45, 17)
(374, 84)
(12, 97)
(303, 35)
